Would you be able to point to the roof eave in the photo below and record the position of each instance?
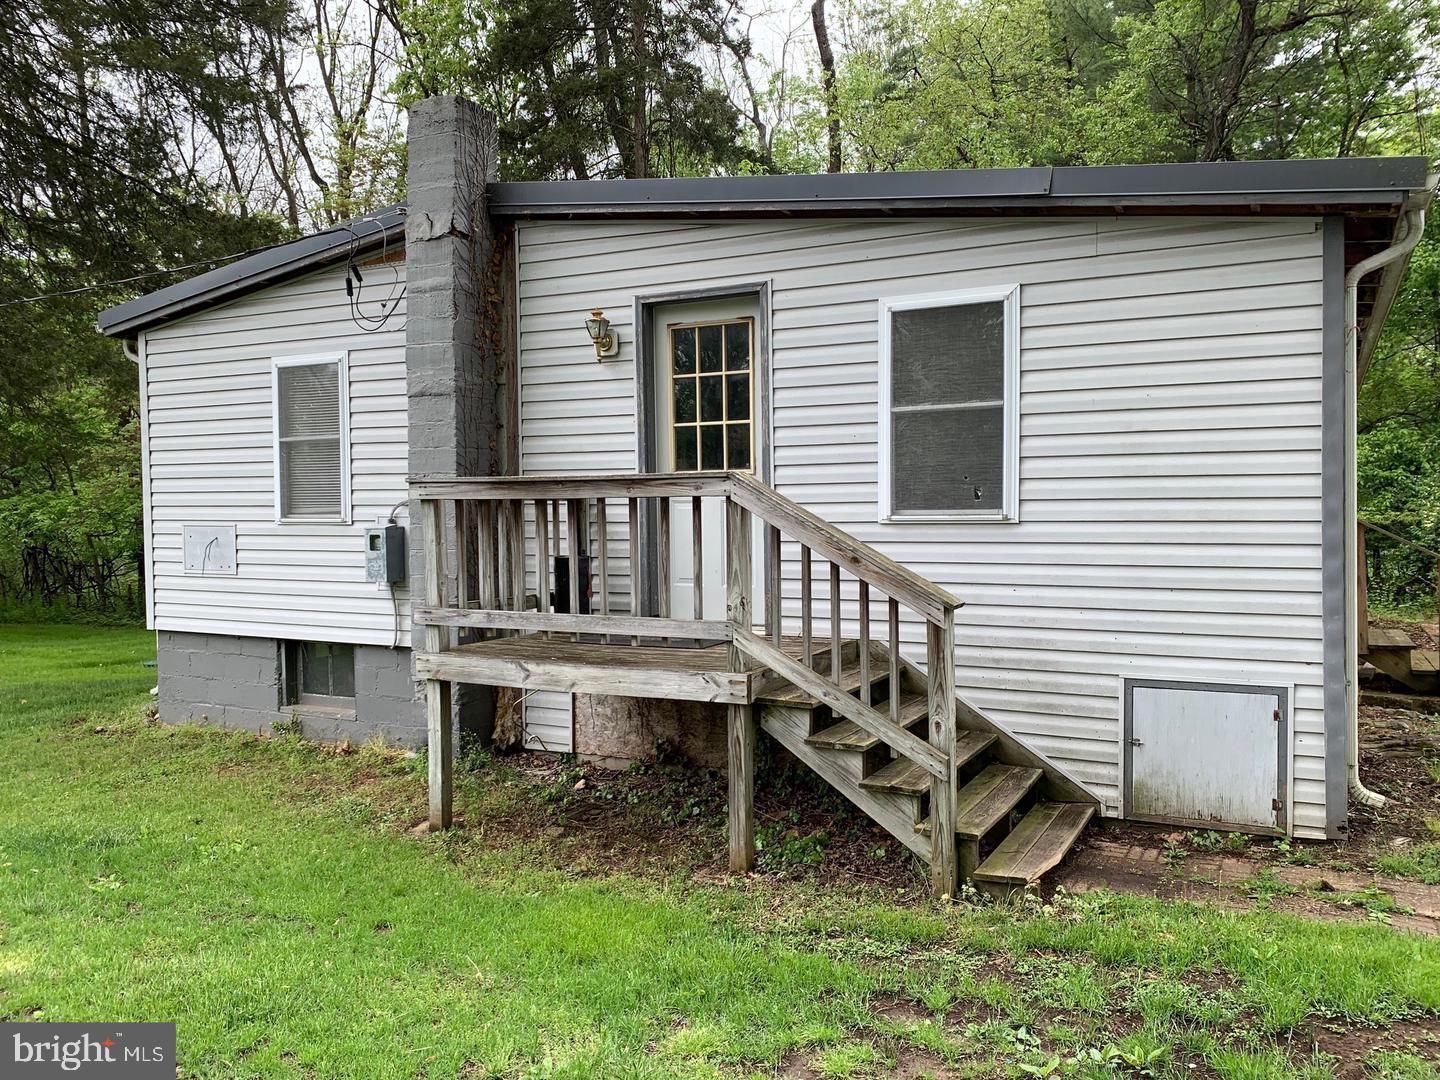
(308, 256)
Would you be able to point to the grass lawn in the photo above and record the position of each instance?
(268, 897)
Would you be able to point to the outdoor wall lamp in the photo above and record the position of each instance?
(607, 342)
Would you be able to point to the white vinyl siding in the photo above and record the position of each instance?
(208, 387)
(1169, 440)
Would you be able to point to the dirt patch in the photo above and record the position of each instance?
(1127, 858)
(667, 819)
(1351, 1046)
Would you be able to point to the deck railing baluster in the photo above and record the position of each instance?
(573, 527)
(602, 544)
(490, 559)
(807, 648)
(894, 620)
(663, 558)
(697, 539)
(773, 606)
(542, 548)
(864, 599)
(517, 555)
(834, 622)
(634, 505)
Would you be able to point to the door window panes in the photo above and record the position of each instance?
(712, 393)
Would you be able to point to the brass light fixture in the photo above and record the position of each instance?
(607, 342)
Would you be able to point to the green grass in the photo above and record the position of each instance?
(1420, 862)
(266, 896)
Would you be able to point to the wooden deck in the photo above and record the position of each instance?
(538, 662)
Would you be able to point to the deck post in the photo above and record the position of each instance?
(940, 671)
(437, 691)
(441, 754)
(741, 733)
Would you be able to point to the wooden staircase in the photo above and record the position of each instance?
(1016, 815)
(1392, 652)
(893, 738)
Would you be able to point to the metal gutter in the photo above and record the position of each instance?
(1391, 277)
(1413, 226)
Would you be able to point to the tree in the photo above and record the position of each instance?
(92, 189)
(582, 88)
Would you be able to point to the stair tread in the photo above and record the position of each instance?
(795, 697)
(1385, 637)
(983, 803)
(906, 777)
(848, 735)
(1037, 844)
(1425, 661)
(902, 776)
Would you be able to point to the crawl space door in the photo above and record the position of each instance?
(1207, 754)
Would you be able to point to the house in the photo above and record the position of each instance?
(1009, 495)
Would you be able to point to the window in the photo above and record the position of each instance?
(710, 384)
(312, 444)
(319, 673)
(949, 429)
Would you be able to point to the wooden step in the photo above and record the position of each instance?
(905, 777)
(985, 801)
(1034, 846)
(1386, 637)
(1425, 661)
(797, 698)
(848, 735)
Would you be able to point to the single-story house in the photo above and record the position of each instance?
(1012, 496)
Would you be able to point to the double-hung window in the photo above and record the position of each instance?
(949, 416)
(312, 443)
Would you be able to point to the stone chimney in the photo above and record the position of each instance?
(451, 364)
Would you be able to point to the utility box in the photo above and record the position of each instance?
(385, 554)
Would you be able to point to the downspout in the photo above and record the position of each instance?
(1413, 224)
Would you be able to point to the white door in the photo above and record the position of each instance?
(705, 401)
(1206, 754)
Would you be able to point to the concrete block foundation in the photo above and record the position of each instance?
(235, 683)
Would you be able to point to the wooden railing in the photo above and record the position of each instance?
(1376, 561)
(503, 531)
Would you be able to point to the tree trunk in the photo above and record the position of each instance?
(827, 82)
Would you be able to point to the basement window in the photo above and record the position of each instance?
(319, 673)
(312, 443)
(949, 430)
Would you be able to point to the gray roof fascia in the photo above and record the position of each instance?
(275, 264)
(1381, 182)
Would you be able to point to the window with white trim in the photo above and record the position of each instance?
(949, 429)
(312, 446)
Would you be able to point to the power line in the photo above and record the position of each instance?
(133, 278)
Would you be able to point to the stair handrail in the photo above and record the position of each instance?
(1363, 573)
(1403, 539)
(919, 594)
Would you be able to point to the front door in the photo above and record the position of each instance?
(705, 395)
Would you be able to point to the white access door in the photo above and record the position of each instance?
(705, 400)
(1206, 754)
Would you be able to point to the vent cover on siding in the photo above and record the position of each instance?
(947, 409)
(311, 459)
